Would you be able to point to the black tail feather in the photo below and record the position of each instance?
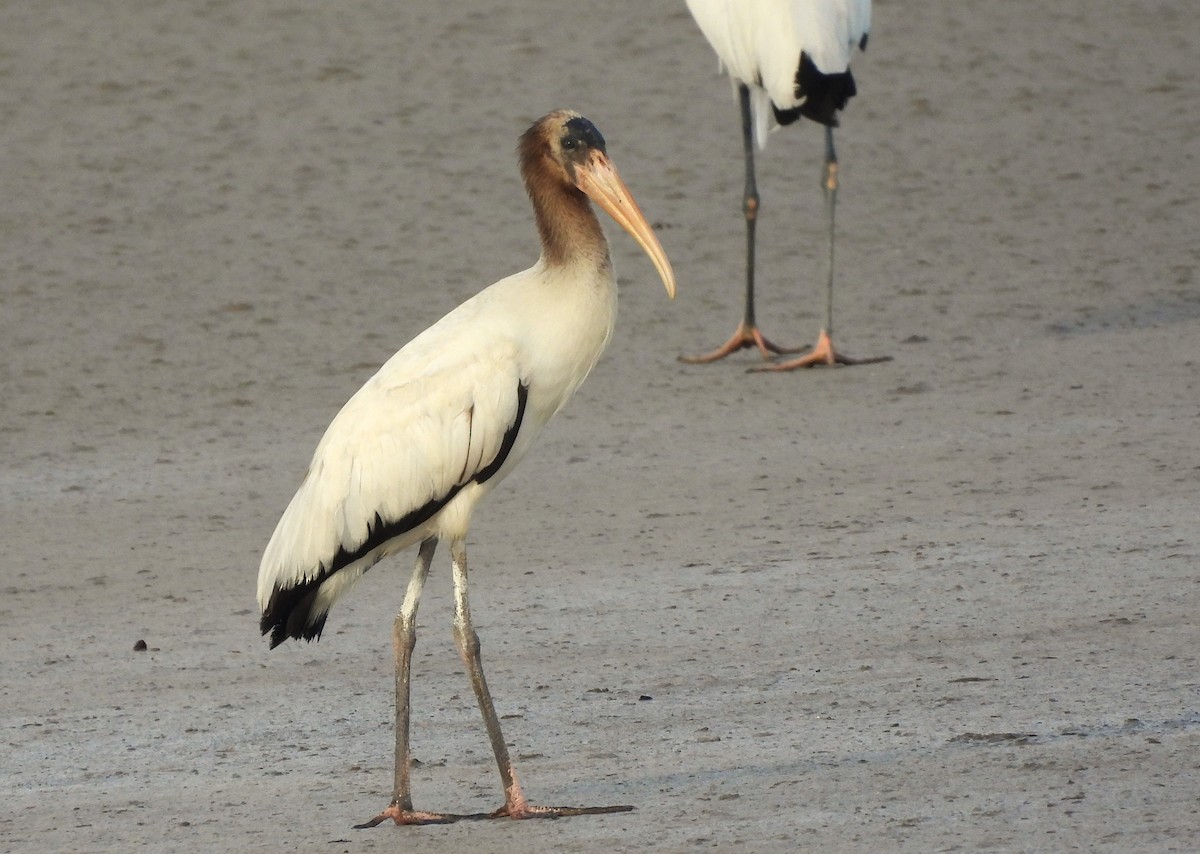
(824, 94)
(289, 614)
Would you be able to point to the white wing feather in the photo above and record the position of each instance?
(430, 420)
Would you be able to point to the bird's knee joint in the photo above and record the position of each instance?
(468, 642)
(829, 179)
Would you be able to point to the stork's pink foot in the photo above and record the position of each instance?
(523, 811)
(532, 811)
(822, 354)
(516, 807)
(410, 816)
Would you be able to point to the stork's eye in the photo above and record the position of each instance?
(569, 144)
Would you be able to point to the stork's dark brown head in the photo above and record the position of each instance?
(556, 144)
(578, 139)
(563, 152)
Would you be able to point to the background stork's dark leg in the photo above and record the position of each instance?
(824, 353)
(829, 183)
(747, 333)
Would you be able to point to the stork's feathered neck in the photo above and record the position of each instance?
(567, 224)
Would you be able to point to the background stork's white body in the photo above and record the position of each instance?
(759, 43)
(434, 416)
(786, 59)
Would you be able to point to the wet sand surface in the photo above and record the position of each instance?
(944, 603)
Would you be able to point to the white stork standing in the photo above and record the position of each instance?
(790, 58)
(446, 418)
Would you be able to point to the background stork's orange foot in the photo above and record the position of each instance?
(823, 353)
(746, 335)
(403, 816)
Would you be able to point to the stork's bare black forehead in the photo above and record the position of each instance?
(582, 131)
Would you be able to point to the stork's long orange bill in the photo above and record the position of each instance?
(599, 179)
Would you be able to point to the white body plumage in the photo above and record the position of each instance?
(435, 416)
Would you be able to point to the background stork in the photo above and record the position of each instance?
(787, 58)
(410, 455)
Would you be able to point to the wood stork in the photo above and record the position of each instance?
(789, 58)
(446, 418)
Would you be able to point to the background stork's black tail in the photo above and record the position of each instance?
(824, 94)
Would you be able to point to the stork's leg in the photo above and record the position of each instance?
(404, 639)
(515, 805)
(747, 333)
(824, 353)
